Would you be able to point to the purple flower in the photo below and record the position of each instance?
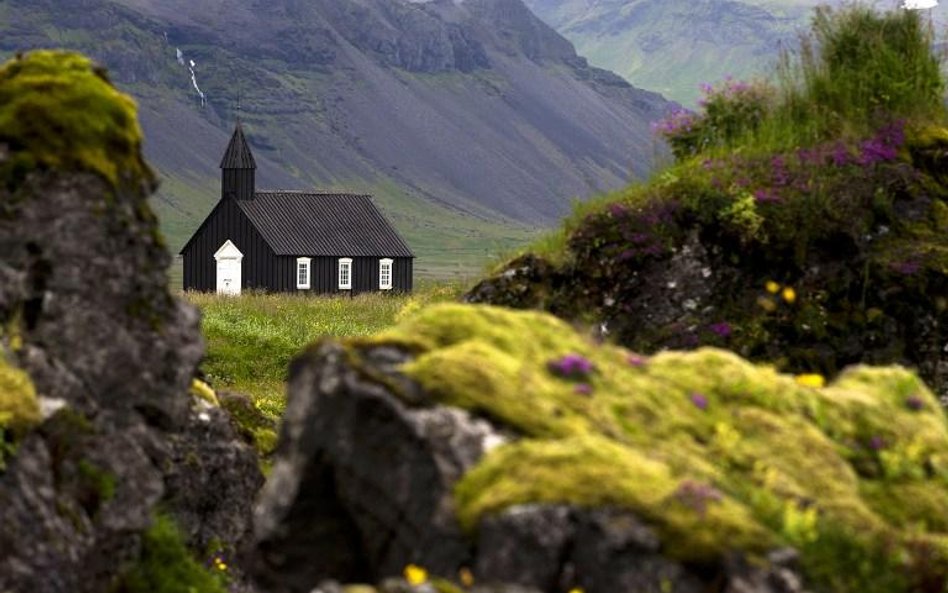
(877, 443)
(571, 366)
(840, 155)
(640, 238)
(906, 268)
(767, 196)
(915, 403)
(699, 400)
(807, 156)
(653, 250)
(721, 329)
(618, 210)
(583, 389)
(636, 360)
(697, 496)
(627, 255)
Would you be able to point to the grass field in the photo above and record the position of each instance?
(251, 339)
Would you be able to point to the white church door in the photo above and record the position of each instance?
(229, 268)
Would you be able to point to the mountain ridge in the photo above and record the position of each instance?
(467, 120)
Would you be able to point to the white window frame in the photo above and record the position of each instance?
(300, 262)
(383, 264)
(345, 263)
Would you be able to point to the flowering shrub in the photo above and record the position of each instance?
(729, 112)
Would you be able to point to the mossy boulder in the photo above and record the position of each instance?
(58, 110)
(87, 322)
(811, 259)
(716, 456)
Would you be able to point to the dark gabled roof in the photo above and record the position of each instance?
(238, 155)
(323, 224)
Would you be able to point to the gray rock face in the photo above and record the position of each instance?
(85, 289)
(362, 486)
(362, 483)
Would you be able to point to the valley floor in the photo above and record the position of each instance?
(251, 339)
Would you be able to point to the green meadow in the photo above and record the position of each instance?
(251, 339)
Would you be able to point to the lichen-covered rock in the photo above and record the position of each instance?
(86, 316)
(594, 467)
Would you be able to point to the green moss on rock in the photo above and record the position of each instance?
(717, 453)
(167, 566)
(59, 111)
(19, 408)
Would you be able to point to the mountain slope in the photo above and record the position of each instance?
(470, 122)
(671, 46)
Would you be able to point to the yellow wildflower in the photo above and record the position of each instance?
(466, 577)
(767, 304)
(772, 287)
(789, 295)
(415, 575)
(813, 380)
(576, 590)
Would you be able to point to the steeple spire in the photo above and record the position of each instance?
(238, 155)
(238, 176)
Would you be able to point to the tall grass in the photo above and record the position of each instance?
(251, 339)
(856, 71)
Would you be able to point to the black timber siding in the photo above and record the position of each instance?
(238, 183)
(324, 277)
(225, 222)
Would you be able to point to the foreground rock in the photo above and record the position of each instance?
(507, 445)
(108, 354)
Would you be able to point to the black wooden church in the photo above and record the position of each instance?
(290, 241)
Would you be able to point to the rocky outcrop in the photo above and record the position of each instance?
(732, 253)
(361, 484)
(508, 448)
(87, 315)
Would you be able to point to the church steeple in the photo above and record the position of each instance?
(238, 169)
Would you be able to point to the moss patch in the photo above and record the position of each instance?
(167, 566)
(58, 110)
(19, 408)
(717, 453)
